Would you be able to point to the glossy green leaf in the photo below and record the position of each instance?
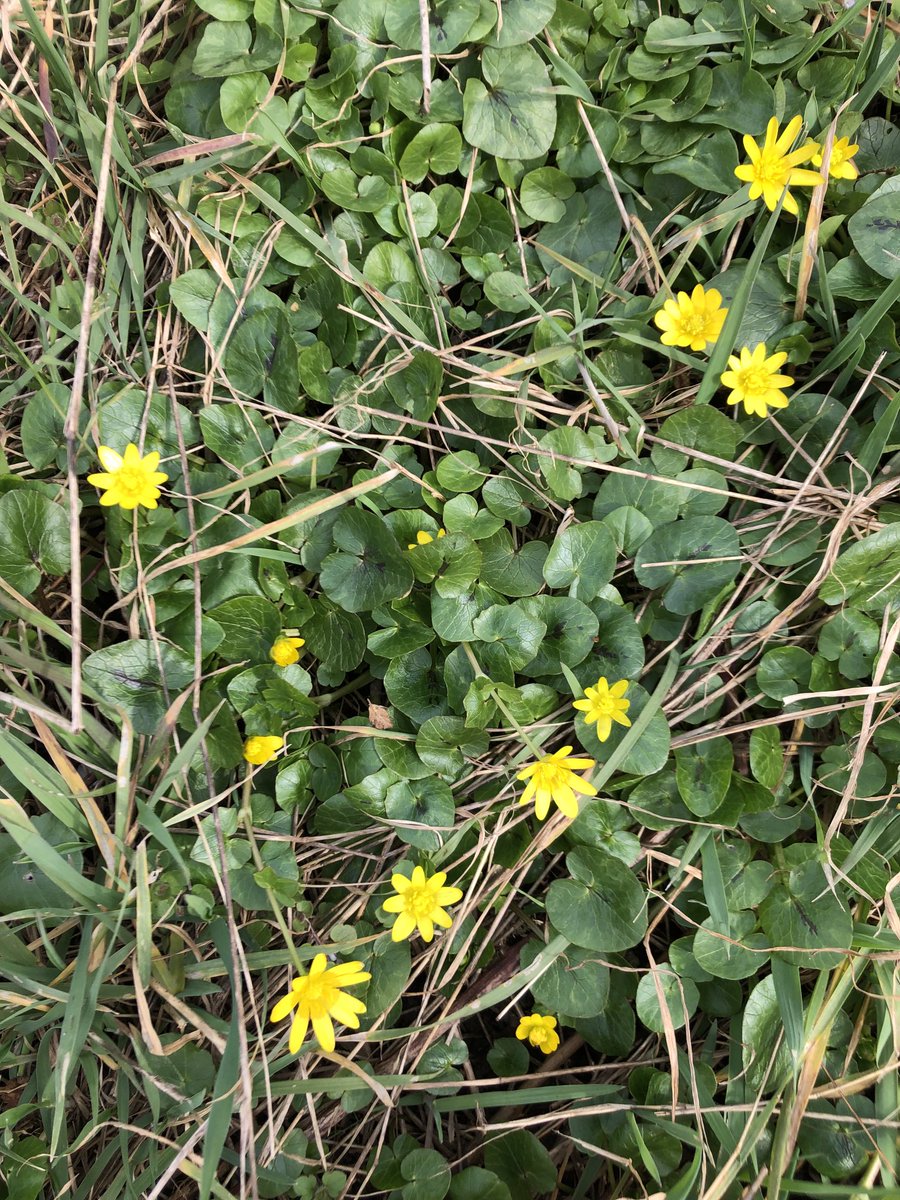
(603, 907)
(513, 112)
(141, 678)
(34, 539)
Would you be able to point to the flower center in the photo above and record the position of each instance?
(419, 901)
(317, 994)
(771, 169)
(550, 776)
(131, 481)
(694, 324)
(755, 381)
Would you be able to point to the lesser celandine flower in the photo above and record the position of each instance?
(774, 167)
(553, 778)
(319, 997)
(839, 166)
(755, 382)
(539, 1031)
(693, 320)
(260, 750)
(423, 537)
(128, 480)
(605, 704)
(419, 903)
(284, 650)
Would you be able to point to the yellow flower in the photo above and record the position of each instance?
(693, 320)
(284, 650)
(772, 169)
(539, 1031)
(423, 537)
(840, 166)
(260, 750)
(419, 903)
(554, 778)
(755, 381)
(604, 704)
(128, 480)
(318, 997)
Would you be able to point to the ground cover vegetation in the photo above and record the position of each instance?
(450, 588)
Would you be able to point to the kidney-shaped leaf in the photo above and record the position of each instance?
(583, 555)
(34, 539)
(874, 230)
(369, 567)
(513, 113)
(603, 907)
(867, 576)
(692, 559)
(449, 20)
(803, 913)
(140, 677)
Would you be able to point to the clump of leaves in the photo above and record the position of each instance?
(435, 501)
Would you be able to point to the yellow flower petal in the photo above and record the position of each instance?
(299, 1026)
(324, 1031)
(755, 381)
(111, 460)
(693, 320)
(789, 134)
(418, 903)
(128, 480)
(752, 149)
(283, 1007)
(403, 927)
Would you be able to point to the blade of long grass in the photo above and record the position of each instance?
(18, 824)
(726, 341)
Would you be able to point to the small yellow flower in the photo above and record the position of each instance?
(554, 778)
(419, 903)
(774, 167)
(284, 650)
(604, 704)
(128, 480)
(423, 537)
(260, 750)
(755, 381)
(693, 320)
(319, 997)
(840, 166)
(539, 1031)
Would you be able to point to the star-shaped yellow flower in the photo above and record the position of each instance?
(284, 650)
(693, 320)
(423, 537)
(539, 1031)
(755, 381)
(261, 749)
(128, 480)
(419, 903)
(319, 997)
(840, 166)
(554, 779)
(605, 704)
(774, 167)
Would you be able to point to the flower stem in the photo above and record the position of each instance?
(479, 674)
